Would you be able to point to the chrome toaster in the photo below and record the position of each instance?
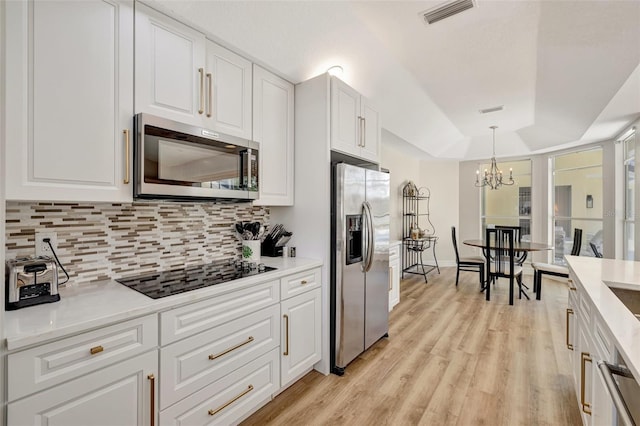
(30, 281)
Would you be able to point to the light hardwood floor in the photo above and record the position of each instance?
(451, 359)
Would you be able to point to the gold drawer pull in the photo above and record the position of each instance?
(303, 282)
(226, 404)
(96, 350)
(569, 282)
(569, 345)
(152, 401)
(286, 335)
(232, 348)
(586, 407)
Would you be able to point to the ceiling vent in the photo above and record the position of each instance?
(493, 109)
(446, 10)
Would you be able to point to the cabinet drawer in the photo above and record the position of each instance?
(193, 363)
(584, 305)
(394, 252)
(231, 398)
(602, 340)
(188, 320)
(41, 367)
(300, 282)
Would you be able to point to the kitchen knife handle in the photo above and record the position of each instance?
(127, 154)
(152, 379)
(286, 334)
(201, 72)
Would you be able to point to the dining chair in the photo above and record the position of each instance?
(521, 256)
(470, 264)
(540, 269)
(595, 250)
(501, 263)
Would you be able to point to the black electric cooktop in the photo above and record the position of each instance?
(167, 283)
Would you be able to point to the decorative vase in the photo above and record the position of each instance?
(251, 250)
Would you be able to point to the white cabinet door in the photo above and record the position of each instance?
(370, 149)
(170, 68)
(117, 395)
(69, 100)
(585, 367)
(394, 282)
(345, 118)
(603, 408)
(273, 129)
(301, 329)
(228, 92)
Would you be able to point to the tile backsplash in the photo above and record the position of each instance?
(104, 240)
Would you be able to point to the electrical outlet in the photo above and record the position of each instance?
(42, 248)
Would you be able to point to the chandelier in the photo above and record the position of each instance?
(493, 177)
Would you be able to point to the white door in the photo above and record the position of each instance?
(370, 149)
(273, 129)
(345, 118)
(70, 102)
(300, 336)
(170, 68)
(228, 92)
(121, 394)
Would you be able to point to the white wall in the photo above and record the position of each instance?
(442, 179)
(440, 176)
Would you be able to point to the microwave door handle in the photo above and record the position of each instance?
(607, 371)
(248, 169)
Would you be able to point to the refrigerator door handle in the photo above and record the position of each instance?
(369, 232)
(365, 238)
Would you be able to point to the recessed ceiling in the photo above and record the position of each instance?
(566, 72)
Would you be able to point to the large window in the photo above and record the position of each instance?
(509, 205)
(629, 195)
(577, 202)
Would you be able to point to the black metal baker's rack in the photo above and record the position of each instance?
(415, 216)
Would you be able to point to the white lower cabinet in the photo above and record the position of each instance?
(590, 343)
(231, 398)
(394, 276)
(121, 394)
(300, 342)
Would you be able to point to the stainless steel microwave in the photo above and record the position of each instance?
(178, 161)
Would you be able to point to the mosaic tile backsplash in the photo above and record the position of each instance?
(104, 240)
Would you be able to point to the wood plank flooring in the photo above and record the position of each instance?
(451, 359)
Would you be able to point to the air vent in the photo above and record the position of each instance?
(446, 10)
(493, 109)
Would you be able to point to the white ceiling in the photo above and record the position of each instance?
(567, 72)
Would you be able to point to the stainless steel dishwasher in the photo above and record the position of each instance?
(624, 390)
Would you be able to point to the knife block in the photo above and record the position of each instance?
(271, 250)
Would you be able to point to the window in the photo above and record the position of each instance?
(509, 205)
(629, 196)
(577, 202)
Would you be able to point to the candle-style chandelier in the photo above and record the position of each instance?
(493, 177)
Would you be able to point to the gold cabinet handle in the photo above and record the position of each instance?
(586, 407)
(209, 101)
(569, 345)
(201, 72)
(152, 411)
(234, 399)
(96, 350)
(303, 282)
(569, 282)
(286, 335)
(126, 156)
(233, 348)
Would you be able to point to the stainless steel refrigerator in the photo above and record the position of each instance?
(360, 262)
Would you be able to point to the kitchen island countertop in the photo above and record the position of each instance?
(624, 327)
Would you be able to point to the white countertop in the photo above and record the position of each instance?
(593, 273)
(90, 305)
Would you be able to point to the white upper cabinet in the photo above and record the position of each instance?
(273, 117)
(182, 76)
(228, 87)
(69, 100)
(355, 124)
(170, 68)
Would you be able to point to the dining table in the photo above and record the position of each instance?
(518, 246)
